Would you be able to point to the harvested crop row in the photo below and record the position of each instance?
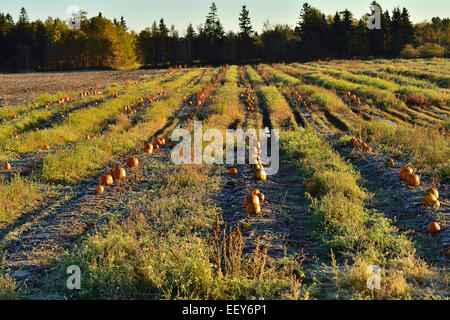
(38, 118)
(225, 110)
(335, 111)
(432, 96)
(349, 229)
(277, 112)
(78, 125)
(76, 163)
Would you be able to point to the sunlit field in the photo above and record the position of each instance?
(87, 179)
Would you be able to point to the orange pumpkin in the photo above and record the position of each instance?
(405, 172)
(434, 227)
(100, 189)
(7, 166)
(434, 192)
(429, 200)
(106, 180)
(132, 162)
(413, 180)
(253, 209)
(262, 197)
(233, 172)
(46, 147)
(148, 148)
(119, 174)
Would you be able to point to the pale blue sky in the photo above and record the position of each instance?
(140, 14)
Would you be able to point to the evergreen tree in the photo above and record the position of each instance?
(245, 41)
(244, 22)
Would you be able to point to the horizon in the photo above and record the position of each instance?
(174, 12)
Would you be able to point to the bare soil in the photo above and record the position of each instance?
(18, 88)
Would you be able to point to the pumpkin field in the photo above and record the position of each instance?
(87, 180)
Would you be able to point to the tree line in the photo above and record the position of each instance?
(101, 43)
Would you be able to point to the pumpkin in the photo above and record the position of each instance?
(405, 172)
(7, 166)
(434, 227)
(434, 192)
(368, 149)
(119, 174)
(262, 197)
(148, 148)
(100, 189)
(132, 162)
(413, 180)
(429, 200)
(253, 209)
(106, 180)
(261, 175)
(233, 172)
(389, 163)
(46, 147)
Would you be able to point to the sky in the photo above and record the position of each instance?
(140, 14)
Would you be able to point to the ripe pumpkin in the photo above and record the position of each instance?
(253, 209)
(390, 163)
(262, 197)
(405, 172)
(413, 180)
(132, 162)
(233, 172)
(434, 227)
(429, 200)
(261, 175)
(46, 147)
(7, 166)
(434, 192)
(106, 180)
(119, 174)
(148, 148)
(100, 189)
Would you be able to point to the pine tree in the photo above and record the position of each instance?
(245, 22)
(123, 23)
(23, 17)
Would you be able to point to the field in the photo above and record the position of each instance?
(336, 208)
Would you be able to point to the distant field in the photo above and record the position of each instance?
(22, 87)
(336, 208)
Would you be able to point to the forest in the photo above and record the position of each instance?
(101, 43)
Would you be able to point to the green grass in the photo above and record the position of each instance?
(280, 113)
(75, 128)
(253, 76)
(426, 148)
(350, 230)
(19, 196)
(225, 109)
(75, 164)
(162, 251)
(36, 118)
